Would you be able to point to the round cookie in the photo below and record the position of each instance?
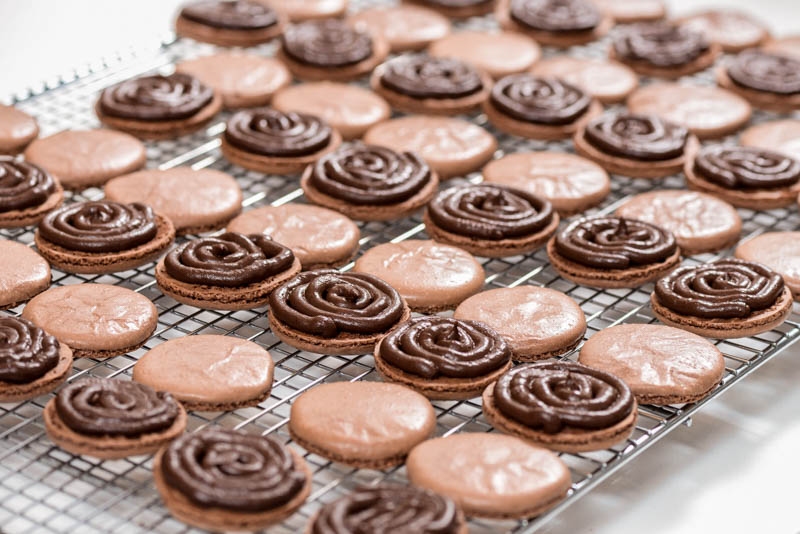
(405, 27)
(224, 23)
(17, 129)
(557, 23)
(98, 237)
(662, 365)
(628, 11)
(157, 106)
(561, 405)
(87, 158)
(570, 183)
(636, 145)
(208, 372)
(781, 135)
(610, 82)
(708, 112)
(452, 147)
(28, 192)
(196, 201)
(766, 80)
(612, 252)
(458, 9)
(390, 508)
(317, 236)
(226, 272)
(498, 54)
(94, 320)
(32, 362)
(536, 322)
(430, 276)
(242, 80)
(349, 109)
(330, 312)
(727, 298)
(300, 10)
(112, 418)
(368, 425)
(787, 46)
(490, 475)
(733, 30)
(779, 251)
(23, 274)
(443, 358)
(227, 480)
(490, 220)
(269, 141)
(701, 223)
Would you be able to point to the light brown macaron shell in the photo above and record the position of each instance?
(196, 201)
(534, 130)
(94, 320)
(708, 112)
(300, 10)
(787, 46)
(490, 475)
(317, 236)
(608, 81)
(700, 222)
(661, 364)
(497, 53)
(455, 11)
(452, 147)
(405, 27)
(536, 322)
(646, 68)
(548, 38)
(369, 425)
(17, 129)
(242, 80)
(51, 380)
(780, 135)
(571, 183)
(733, 30)
(628, 11)
(780, 251)
(349, 109)
(430, 276)
(87, 158)
(208, 372)
(23, 274)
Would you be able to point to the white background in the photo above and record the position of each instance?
(734, 471)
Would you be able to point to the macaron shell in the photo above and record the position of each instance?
(760, 99)
(499, 54)
(17, 129)
(228, 37)
(781, 135)
(547, 38)
(608, 81)
(490, 475)
(404, 27)
(780, 251)
(301, 10)
(23, 273)
(787, 46)
(52, 379)
(733, 30)
(627, 11)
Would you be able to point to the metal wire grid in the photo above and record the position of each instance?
(44, 489)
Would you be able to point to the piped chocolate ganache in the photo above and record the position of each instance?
(557, 16)
(421, 76)
(763, 71)
(328, 43)
(231, 15)
(538, 100)
(23, 185)
(156, 98)
(746, 167)
(26, 351)
(660, 44)
(270, 132)
(637, 136)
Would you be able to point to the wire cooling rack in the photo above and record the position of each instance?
(44, 489)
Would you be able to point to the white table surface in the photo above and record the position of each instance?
(732, 471)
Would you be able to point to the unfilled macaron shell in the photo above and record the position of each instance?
(781, 135)
(779, 251)
(499, 54)
(23, 273)
(404, 27)
(17, 129)
(608, 81)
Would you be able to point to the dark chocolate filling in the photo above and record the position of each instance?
(23, 185)
(156, 98)
(270, 132)
(26, 351)
(328, 43)
(639, 137)
(762, 71)
(549, 101)
(739, 167)
(660, 44)
(231, 15)
(421, 76)
(558, 16)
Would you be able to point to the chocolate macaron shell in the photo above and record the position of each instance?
(27, 193)
(490, 475)
(661, 364)
(94, 320)
(571, 23)
(780, 135)
(629, 11)
(457, 9)
(733, 30)
(301, 10)
(778, 250)
(23, 274)
(368, 425)
(608, 81)
(405, 27)
(17, 129)
(239, 23)
(498, 54)
(787, 46)
(208, 372)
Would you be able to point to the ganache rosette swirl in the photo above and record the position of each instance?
(422, 76)
(231, 15)
(232, 470)
(389, 508)
(723, 289)
(26, 351)
(539, 100)
(490, 211)
(556, 15)
(641, 137)
(23, 185)
(550, 396)
(327, 43)
(763, 71)
(326, 303)
(614, 243)
(372, 175)
(270, 132)
(100, 226)
(444, 347)
(660, 44)
(746, 167)
(156, 98)
(104, 406)
(228, 260)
